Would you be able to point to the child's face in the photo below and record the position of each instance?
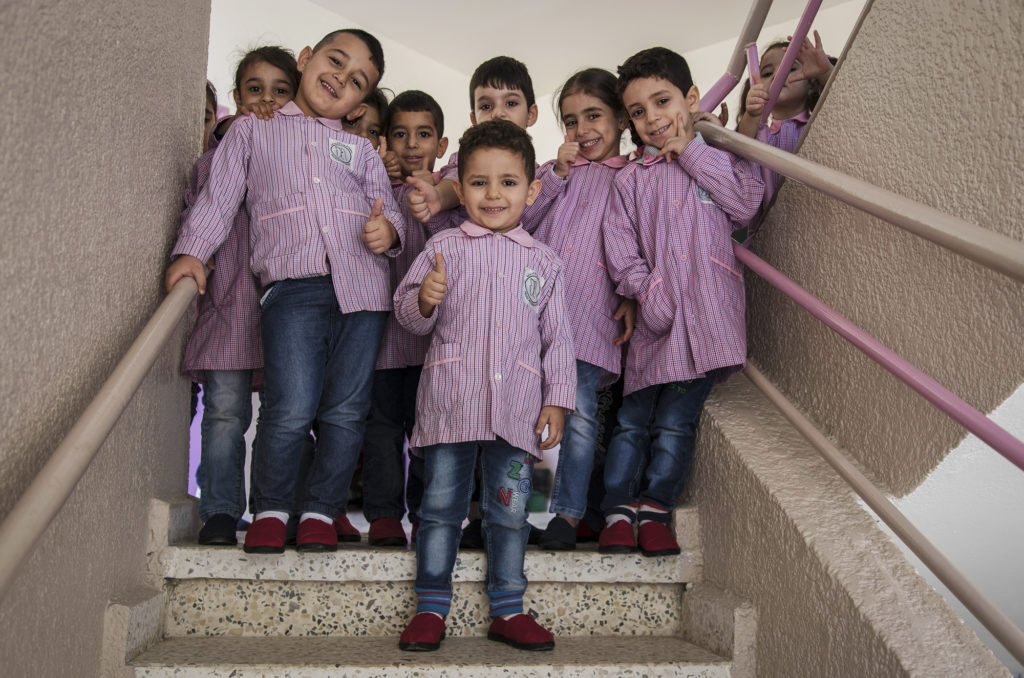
(336, 79)
(414, 140)
(593, 125)
(500, 103)
(367, 126)
(495, 189)
(794, 94)
(263, 83)
(209, 120)
(654, 106)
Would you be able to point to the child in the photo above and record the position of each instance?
(224, 352)
(370, 124)
(321, 215)
(209, 114)
(414, 128)
(501, 352)
(667, 244)
(594, 121)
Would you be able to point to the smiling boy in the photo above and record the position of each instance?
(500, 368)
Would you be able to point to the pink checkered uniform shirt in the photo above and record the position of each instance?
(400, 347)
(784, 135)
(226, 334)
(501, 346)
(309, 188)
(668, 245)
(572, 226)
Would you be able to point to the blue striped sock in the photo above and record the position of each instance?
(429, 600)
(504, 603)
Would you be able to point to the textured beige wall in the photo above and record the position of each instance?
(926, 104)
(102, 120)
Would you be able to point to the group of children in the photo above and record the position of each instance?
(475, 311)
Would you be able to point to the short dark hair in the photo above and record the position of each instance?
(278, 57)
(502, 71)
(656, 62)
(372, 44)
(415, 101)
(378, 99)
(501, 134)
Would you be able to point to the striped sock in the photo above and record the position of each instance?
(430, 600)
(653, 513)
(280, 515)
(309, 515)
(506, 603)
(624, 512)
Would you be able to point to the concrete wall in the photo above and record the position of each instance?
(103, 113)
(926, 105)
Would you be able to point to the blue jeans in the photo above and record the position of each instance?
(576, 453)
(391, 420)
(318, 364)
(507, 473)
(227, 413)
(652, 447)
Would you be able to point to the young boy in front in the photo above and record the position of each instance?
(322, 219)
(500, 368)
(668, 245)
(413, 136)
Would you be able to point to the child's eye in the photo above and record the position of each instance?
(425, 135)
(355, 81)
(508, 182)
(398, 135)
(485, 107)
(282, 92)
(512, 104)
(373, 131)
(570, 123)
(477, 182)
(637, 112)
(593, 116)
(663, 101)
(255, 89)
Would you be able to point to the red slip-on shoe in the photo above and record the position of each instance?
(316, 536)
(387, 532)
(522, 632)
(657, 540)
(617, 538)
(423, 634)
(265, 535)
(344, 529)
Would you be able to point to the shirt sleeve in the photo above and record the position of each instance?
(551, 186)
(627, 266)
(406, 299)
(734, 184)
(558, 355)
(377, 184)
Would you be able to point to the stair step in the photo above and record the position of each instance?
(468, 657)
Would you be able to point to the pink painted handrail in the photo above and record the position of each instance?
(782, 72)
(748, 34)
(934, 392)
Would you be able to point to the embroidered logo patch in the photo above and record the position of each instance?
(532, 286)
(342, 152)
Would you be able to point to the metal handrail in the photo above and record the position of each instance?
(55, 482)
(751, 29)
(788, 59)
(1001, 627)
(988, 248)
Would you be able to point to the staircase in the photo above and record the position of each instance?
(228, 613)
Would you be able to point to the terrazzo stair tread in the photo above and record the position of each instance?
(203, 607)
(361, 562)
(457, 658)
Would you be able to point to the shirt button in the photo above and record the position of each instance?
(584, 203)
(324, 229)
(312, 143)
(316, 180)
(676, 203)
(501, 275)
(570, 249)
(497, 324)
(497, 377)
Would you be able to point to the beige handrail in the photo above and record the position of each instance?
(55, 482)
(974, 600)
(988, 248)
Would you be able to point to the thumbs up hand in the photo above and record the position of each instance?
(434, 287)
(424, 201)
(567, 154)
(389, 158)
(379, 234)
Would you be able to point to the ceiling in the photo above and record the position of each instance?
(462, 34)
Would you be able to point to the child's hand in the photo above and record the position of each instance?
(723, 114)
(627, 313)
(185, 266)
(814, 63)
(757, 97)
(261, 109)
(434, 287)
(567, 153)
(424, 201)
(553, 417)
(684, 135)
(390, 159)
(424, 175)
(707, 117)
(378, 233)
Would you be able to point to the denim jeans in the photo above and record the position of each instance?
(392, 417)
(576, 453)
(652, 447)
(507, 473)
(227, 413)
(318, 363)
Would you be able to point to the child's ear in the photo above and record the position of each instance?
(533, 191)
(532, 117)
(472, 118)
(693, 99)
(237, 98)
(457, 185)
(442, 146)
(304, 56)
(356, 112)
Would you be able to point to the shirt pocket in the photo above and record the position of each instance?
(441, 378)
(525, 389)
(278, 226)
(728, 280)
(657, 311)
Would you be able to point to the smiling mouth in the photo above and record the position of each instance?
(412, 159)
(661, 131)
(589, 144)
(329, 89)
(492, 210)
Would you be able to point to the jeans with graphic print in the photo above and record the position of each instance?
(318, 363)
(651, 450)
(507, 474)
(576, 453)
